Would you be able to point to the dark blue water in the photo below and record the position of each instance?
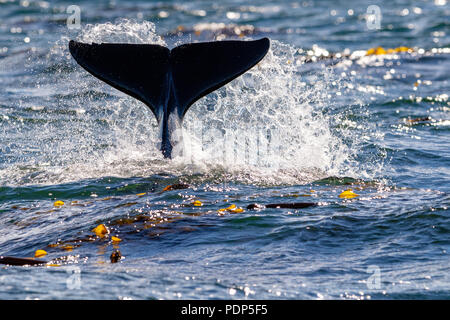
(316, 117)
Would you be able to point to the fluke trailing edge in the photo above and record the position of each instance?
(169, 81)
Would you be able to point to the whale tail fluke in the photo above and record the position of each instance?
(169, 81)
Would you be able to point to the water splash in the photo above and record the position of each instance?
(276, 124)
(123, 31)
(272, 120)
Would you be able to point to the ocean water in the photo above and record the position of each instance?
(317, 116)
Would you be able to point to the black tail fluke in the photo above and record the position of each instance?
(139, 70)
(201, 68)
(169, 81)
